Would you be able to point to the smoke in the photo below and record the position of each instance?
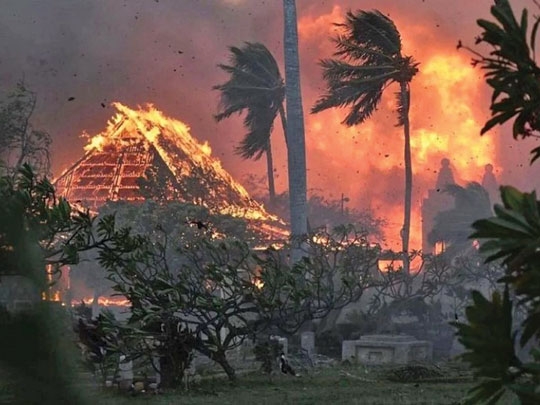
(166, 51)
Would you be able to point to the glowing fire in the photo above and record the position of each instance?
(51, 296)
(366, 162)
(103, 301)
(257, 282)
(58, 283)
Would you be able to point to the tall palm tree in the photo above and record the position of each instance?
(296, 147)
(256, 86)
(369, 60)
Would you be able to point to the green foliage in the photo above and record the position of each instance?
(513, 236)
(511, 70)
(206, 288)
(37, 228)
(99, 342)
(37, 352)
(336, 269)
(489, 340)
(222, 291)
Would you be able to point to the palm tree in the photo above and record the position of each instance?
(454, 226)
(296, 147)
(256, 86)
(370, 59)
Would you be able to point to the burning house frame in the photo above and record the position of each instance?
(142, 154)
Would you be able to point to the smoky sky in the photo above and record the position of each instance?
(166, 52)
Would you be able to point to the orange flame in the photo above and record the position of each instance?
(103, 301)
(258, 283)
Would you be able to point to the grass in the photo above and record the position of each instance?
(324, 386)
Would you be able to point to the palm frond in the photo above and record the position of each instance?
(373, 30)
(363, 100)
(351, 50)
(257, 59)
(255, 87)
(370, 50)
(259, 120)
(338, 70)
(363, 108)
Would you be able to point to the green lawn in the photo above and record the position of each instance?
(326, 386)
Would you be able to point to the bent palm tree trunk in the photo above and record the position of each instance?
(270, 174)
(405, 97)
(283, 118)
(296, 152)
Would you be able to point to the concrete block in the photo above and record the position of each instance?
(387, 349)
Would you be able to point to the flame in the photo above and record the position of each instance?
(366, 162)
(103, 301)
(97, 142)
(51, 296)
(258, 283)
(206, 149)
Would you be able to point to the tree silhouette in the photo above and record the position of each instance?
(369, 60)
(255, 86)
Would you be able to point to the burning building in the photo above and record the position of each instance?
(144, 154)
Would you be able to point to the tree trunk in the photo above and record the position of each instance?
(270, 174)
(283, 118)
(171, 374)
(296, 148)
(221, 359)
(405, 96)
(95, 304)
